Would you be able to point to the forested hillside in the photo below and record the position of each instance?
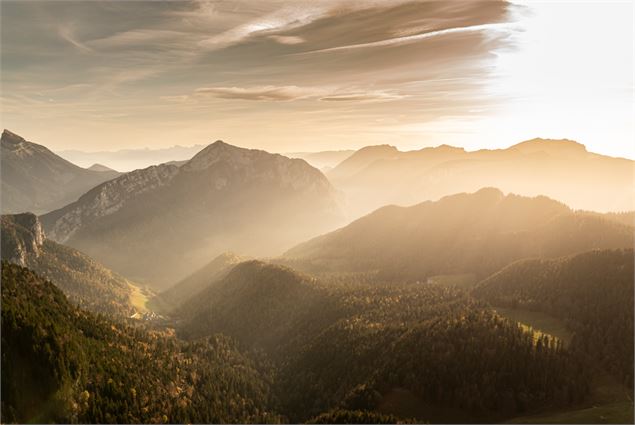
(86, 282)
(591, 292)
(476, 233)
(348, 345)
(172, 298)
(62, 364)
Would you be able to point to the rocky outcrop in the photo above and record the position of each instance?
(22, 235)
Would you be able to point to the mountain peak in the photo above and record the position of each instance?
(217, 152)
(99, 167)
(10, 136)
(554, 146)
(378, 149)
(492, 192)
(12, 141)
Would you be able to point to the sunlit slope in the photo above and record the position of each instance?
(201, 279)
(61, 364)
(475, 233)
(349, 345)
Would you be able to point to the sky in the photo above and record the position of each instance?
(313, 75)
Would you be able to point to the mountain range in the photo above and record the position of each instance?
(375, 176)
(131, 159)
(36, 180)
(324, 160)
(475, 233)
(158, 224)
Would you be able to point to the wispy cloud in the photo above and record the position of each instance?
(272, 93)
(66, 33)
(275, 23)
(415, 38)
(290, 93)
(287, 39)
(374, 95)
(136, 38)
(155, 69)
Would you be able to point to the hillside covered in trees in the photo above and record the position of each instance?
(345, 346)
(85, 281)
(477, 233)
(370, 331)
(63, 364)
(591, 292)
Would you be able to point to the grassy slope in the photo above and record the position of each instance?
(537, 322)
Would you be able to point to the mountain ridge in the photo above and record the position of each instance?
(34, 179)
(559, 168)
(224, 198)
(464, 233)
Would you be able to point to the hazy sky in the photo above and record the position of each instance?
(318, 74)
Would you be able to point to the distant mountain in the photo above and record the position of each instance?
(474, 233)
(100, 167)
(160, 223)
(61, 364)
(562, 169)
(361, 159)
(36, 180)
(132, 159)
(195, 283)
(86, 282)
(324, 159)
(591, 292)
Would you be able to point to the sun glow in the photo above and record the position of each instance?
(569, 76)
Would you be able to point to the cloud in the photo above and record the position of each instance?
(66, 33)
(362, 97)
(271, 93)
(137, 37)
(274, 23)
(415, 38)
(292, 15)
(291, 93)
(287, 39)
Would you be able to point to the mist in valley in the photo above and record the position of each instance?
(317, 212)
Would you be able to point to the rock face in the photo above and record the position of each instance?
(106, 199)
(36, 180)
(160, 223)
(22, 235)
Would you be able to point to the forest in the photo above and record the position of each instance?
(264, 343)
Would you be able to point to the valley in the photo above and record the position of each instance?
(480, 307)
(317, 212)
